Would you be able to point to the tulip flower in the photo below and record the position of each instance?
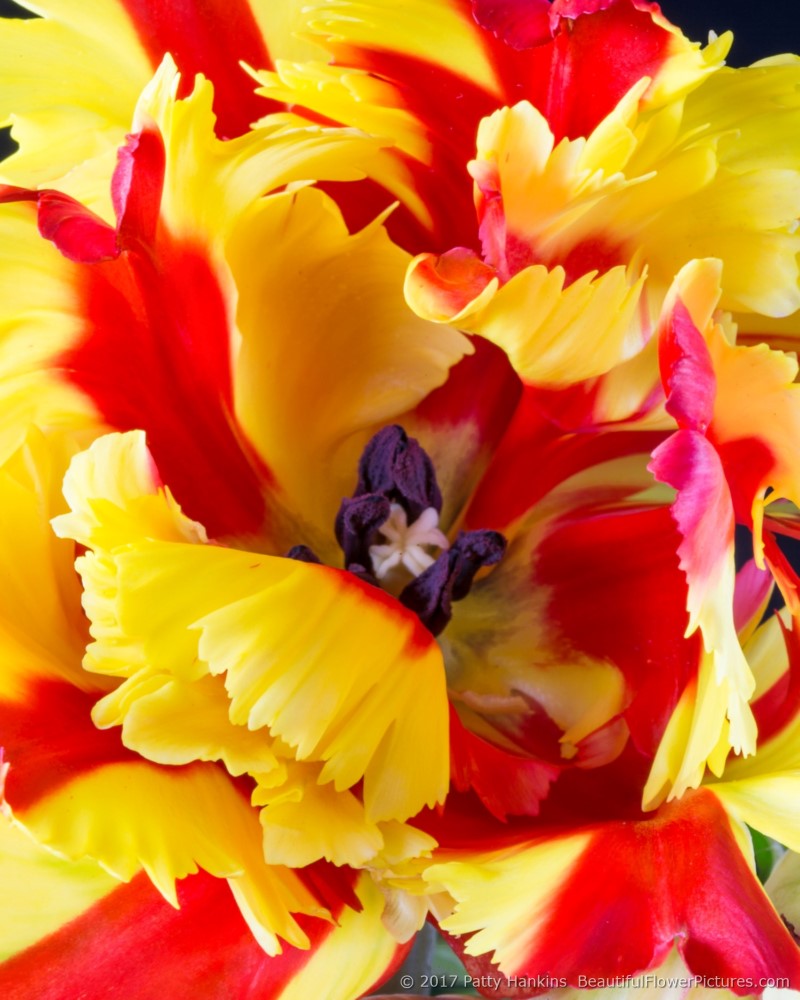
(374, 437)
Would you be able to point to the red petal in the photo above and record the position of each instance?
(686, 371)
(212, 38)
(78, 233)
(506, 783)
(136, 187)
(534, 456)
(521, 24)
(702, 510)
(155, 355)
(753, 587)
(778, 705)
(617, 594)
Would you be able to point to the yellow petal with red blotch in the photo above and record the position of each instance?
(764, 791)
(206, 202)
(580, 685)
(649, 190)
(173, 721)
(374, 24)
(281, 632)
(545, 187)
(615, 898)
(358, 99)
(721, 713)
(514, 919)
(41, 892)
(316, 691)
(359, 969)
(552, 334)
(172, 822)
(96, 56)
(697, 734)
(370, 364)
(39, 308)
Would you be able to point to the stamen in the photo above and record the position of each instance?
(398, 499)
(407, 542)
(450, 577)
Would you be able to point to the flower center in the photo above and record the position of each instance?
(389, 531)
(406, 543)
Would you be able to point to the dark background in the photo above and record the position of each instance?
(760, 29)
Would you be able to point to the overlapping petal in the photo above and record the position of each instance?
(496, 54)
(526, 730)
(102, 949)
(704, 898)
(153, 306)
(77, 789)
(230, 613)
(71, 79)
(607, 220)
(722, 466)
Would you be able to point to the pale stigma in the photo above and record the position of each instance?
(407, 542)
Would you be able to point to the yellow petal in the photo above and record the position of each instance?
(208, 183)
(555, 334)
(173, 721)
(358, 969)
(39, 319)
(116, 497)
(307, 821)
(353, 699)
(369, 702)
(368, 365)
(41, 632)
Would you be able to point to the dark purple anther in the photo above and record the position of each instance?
(449, 579)
(393, 469)
(356, 524)
(397, 467)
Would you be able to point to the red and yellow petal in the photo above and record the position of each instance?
(714, 714)
(763, 790)
(42, 891)
(77, 790)
(98, 56)
(495, 56)
(611, 900)
(206, 942)
(149, 332)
